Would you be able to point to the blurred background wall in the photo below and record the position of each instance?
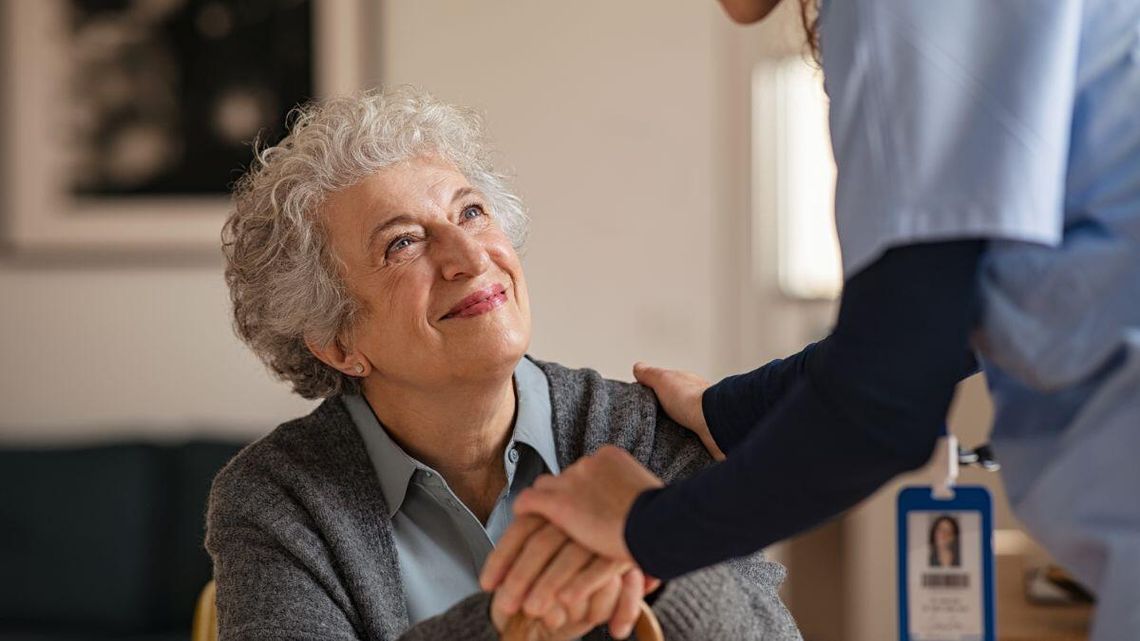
(607, 115)
(631, 131)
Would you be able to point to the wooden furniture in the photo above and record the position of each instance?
(1020, 620)
(205, 626)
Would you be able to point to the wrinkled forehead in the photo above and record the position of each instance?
(418, 185)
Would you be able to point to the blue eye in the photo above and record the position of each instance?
(400, 243)
(472, 211)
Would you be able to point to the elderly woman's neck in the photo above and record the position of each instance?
(462, 434)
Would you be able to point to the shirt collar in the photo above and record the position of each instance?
(533, 424)
(395, 467)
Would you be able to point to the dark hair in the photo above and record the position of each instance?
(809, 16)
(953, 548)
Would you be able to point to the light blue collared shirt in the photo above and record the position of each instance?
(1017, 121)
(441, 544)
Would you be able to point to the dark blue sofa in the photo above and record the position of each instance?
(104, 542)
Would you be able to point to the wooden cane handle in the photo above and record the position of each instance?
(648, 628)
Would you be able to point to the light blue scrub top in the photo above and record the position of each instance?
(441, 545)
(1018, 121)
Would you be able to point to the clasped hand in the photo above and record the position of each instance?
(564, 561)
(561, 588)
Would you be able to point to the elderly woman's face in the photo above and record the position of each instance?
(441, 285)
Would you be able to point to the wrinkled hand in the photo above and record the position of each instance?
(588, 502)
(680, 394)
(561, 622)
(576, 592)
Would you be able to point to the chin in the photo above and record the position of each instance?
(492, 355)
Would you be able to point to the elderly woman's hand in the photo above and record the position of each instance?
(680, 394)
(559, 584)
(589, 502)
(566, 621)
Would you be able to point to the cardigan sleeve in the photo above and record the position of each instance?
(267, 585)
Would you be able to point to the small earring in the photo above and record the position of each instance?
(359, 369)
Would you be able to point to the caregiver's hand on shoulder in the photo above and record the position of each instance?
(535, 586)
(680, 394)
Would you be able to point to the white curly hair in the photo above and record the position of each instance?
(283, 278)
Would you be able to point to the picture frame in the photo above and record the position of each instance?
(41, 210)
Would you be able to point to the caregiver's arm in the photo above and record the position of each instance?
(735, 405)
(745, 398)
(869, 404)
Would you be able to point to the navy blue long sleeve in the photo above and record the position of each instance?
(738, 403)
(809, 436)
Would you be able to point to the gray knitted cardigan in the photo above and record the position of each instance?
(302, 545)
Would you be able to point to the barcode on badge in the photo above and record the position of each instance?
(951, 581)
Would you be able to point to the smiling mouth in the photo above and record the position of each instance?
(479, 303)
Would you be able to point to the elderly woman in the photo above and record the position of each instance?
(371, 260)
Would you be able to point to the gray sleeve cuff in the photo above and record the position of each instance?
(703, 605)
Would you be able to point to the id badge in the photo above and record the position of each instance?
(946, 569)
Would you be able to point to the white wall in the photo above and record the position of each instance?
(605, 110)
(101, 353)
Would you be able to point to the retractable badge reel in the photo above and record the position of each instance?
(946, 559)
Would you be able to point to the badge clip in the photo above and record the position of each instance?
(946, 472)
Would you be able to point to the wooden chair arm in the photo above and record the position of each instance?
(205, 626)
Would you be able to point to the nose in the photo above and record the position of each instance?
(460, 255)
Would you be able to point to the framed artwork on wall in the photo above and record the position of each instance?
(127, 122)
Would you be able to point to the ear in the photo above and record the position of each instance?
(348, 361)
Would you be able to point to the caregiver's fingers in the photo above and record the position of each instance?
(651, 584)
(545, 498)
(547, 482)
(628, 605)
(537, 552)
(508, 547)
(679, 393)
(570, 559)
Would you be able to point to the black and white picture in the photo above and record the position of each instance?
(169, 94)
(126, 122)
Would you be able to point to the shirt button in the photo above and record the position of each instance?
(513, 455)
